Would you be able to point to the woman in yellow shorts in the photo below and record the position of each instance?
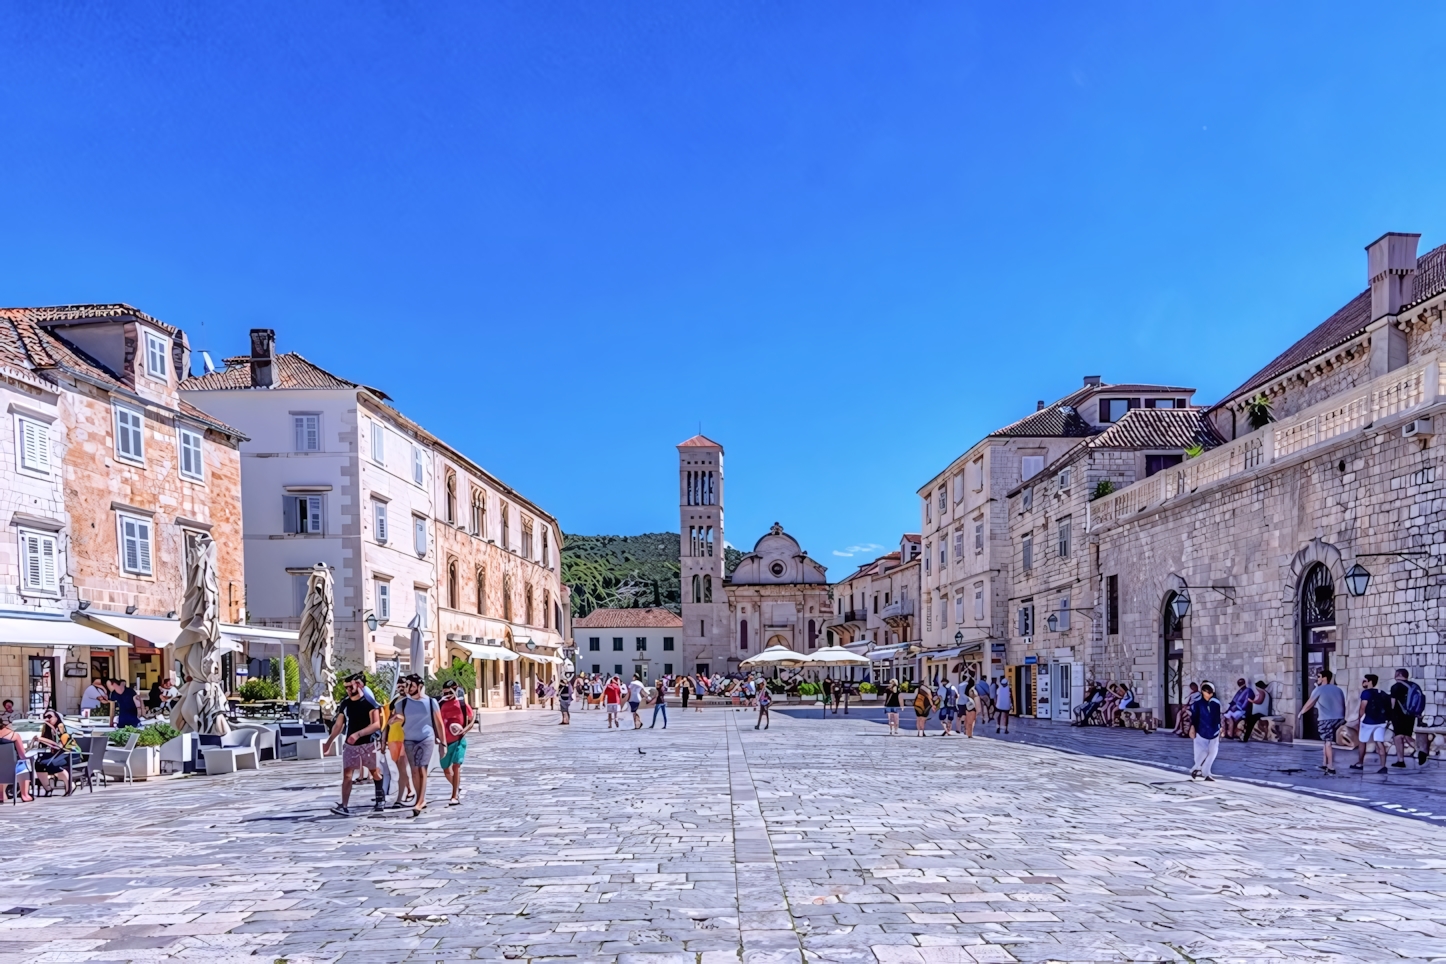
(398, 753)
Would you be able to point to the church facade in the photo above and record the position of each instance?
(778, 596)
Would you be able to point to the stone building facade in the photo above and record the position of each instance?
(965, 520)
(114, 479)
(1260, 533)
(1053, 601)
(776, 596)
(642, 643)
(334, 473)
(706, 622)
(877, 610)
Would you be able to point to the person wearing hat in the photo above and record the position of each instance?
(1206, 716)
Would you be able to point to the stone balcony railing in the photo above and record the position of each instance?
(897, 608)
(1409, 388)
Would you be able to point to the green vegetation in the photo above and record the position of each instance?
(259, 688)
(1102, 488)
(868, 688)
(627, 572)
(1257, 411)
(461, 672)
(153, 735)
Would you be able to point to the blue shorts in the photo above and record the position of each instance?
(633, 705)
(947, 713)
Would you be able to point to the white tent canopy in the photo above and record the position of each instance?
(482, 651)
(39, 629)
(837, 656)
(776, 656)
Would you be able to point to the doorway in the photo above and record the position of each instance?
(42, 684)
(1172, 661)
(1062, 689)
(1317, 636)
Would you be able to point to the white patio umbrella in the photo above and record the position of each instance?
(776, 656)
(201, 707)
(316, 640)
(837, 656)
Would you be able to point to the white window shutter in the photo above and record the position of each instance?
(313, 514)
(143, 531)
(49, 580)
(31, 545)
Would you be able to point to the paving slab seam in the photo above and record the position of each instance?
(764, 920)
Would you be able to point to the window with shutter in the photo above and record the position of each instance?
(135, 545)
(421, 602)
(155, 356)
(191, 464)
(34, 445)
(419, 531)
(379, 441)
(128, 433)
(978, 604)
(39, 563)
(380, 525)
(384, 600)
(308, 432)
(417, 473)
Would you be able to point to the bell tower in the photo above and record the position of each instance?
(700, 510)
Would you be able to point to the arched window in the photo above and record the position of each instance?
(742, 634)
(504, 527)
(479, 513)
(454, 591)
(697, 589)
(812, 635)
(707, 589)
(481, 592)
(451, 497)
(547, 609)
(507, 598)
(527, 604)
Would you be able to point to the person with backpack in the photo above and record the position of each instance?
(422, 729)
(1375, 712)
(1408, 702)
(765, 700)
(948, 706)
(359, 722)
(456, 720)
(923, 706)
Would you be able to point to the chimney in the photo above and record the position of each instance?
(1092, 381)
(263, 357)
(1039, 405)
(1391, 270)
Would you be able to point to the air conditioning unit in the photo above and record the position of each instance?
(1419, 427)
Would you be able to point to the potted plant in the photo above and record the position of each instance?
(868, 692)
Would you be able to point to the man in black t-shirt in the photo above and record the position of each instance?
(1403, 722)
(361, 720)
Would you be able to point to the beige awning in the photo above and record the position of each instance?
(481, 651)
(161, 632)
(45, 629)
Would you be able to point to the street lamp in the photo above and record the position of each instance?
(372, 622)
(1052, 622)
(1181, 604)
(1357, 579)
(959, 638)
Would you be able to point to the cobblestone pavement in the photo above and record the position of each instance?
(815, 840)
(1413, 791)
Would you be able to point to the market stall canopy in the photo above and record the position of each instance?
(161, 632)
(880, 655)
(837, 656)
(540, 658)
(776, 656)
(46, 629)
(481, 651)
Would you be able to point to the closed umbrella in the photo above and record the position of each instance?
(315, 642)
(418, 654)
(201, 707)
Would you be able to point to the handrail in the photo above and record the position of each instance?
(1407, 388)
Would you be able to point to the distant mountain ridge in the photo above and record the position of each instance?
(624, 572)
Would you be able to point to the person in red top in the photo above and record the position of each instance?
(613, 700)
(456, 719)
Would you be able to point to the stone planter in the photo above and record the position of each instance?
(146, 762)
(868, 697)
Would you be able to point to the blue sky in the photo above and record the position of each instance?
(847, 239)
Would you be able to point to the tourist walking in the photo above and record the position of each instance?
(612, 696)
(1329, 702)
(564, 702)
(765, 700)
(1206, 714)
(422, 729)
(397, 751)
(891, 706)
(660, 702)
(1375, 712)
(517, 694)
(456, 718)
(969, 709)
(635, 700)
(1408, 702)
(700, 688)
(1257, 706)
(948, 706)
(985, 692)
(685, 687)
(549, 693)
(1003, 704)
(359, 720)
(923, 707)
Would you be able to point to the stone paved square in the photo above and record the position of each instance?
(816, 840)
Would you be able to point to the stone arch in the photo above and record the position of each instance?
(1316, 551)
(777, 641)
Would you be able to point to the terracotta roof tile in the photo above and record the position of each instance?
(1348, 322)
(699, 441)
(1165, 428)
(1057, 421)
(292, 371)
(56, 314)
(648, 618)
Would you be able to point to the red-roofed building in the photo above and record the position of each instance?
(643, 643)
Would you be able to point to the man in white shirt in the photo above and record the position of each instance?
(635, 699)
(92, 698)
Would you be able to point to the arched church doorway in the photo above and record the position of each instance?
(1317, 609)
(1172, 660)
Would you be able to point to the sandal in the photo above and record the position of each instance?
(417, 811)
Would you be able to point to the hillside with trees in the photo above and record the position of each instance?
(626, 572)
